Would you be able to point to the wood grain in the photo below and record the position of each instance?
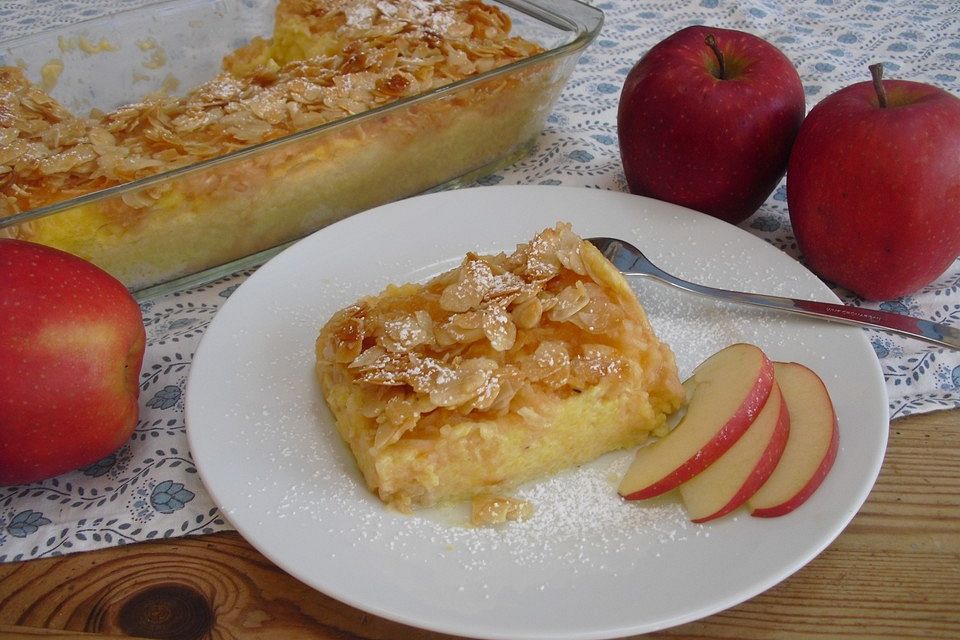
(894, 573)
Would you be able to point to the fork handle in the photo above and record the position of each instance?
(932, 332)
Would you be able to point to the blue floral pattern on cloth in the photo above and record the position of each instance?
(150, 488)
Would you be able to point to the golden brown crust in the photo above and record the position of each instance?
(328, 59)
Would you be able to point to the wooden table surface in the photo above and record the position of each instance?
(893, 573)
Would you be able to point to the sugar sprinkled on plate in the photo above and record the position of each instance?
(579, 520)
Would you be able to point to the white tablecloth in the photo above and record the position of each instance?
(150, 488)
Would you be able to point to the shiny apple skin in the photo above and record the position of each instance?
(716, 146)
(874, 193)
(71, 347)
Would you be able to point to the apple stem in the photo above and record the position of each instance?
(712, 43)
(876, 70)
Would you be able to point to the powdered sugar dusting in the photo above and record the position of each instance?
(579, 520)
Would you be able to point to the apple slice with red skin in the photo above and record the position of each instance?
(811, 448)
(736, 475)
(726, 393)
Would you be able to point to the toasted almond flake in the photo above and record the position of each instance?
(498, 328)
(569, 302)
(526, 315)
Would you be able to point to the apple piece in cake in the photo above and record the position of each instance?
(500, 371)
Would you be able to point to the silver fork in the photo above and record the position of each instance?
(631, 261)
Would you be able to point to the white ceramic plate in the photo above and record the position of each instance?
(587, 565)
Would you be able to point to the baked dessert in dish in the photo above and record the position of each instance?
(207, 200)
(500, 371)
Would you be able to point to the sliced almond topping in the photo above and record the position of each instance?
(498, 328)
(526, 315)
(367, 53)
(502, 332)
(569, 302)
(550, 364)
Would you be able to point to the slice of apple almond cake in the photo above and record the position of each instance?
(505, 369)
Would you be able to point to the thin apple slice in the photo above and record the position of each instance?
(736, 475)
(727, 391)
(811, 448)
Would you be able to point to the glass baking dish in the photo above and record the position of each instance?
(200, 222)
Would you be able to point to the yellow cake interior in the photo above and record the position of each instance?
(505, 369)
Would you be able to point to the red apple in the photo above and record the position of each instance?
(706, 120)
(736, 475)
(71, 346)
(873, 186)
(726, 393)
(811, 446)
